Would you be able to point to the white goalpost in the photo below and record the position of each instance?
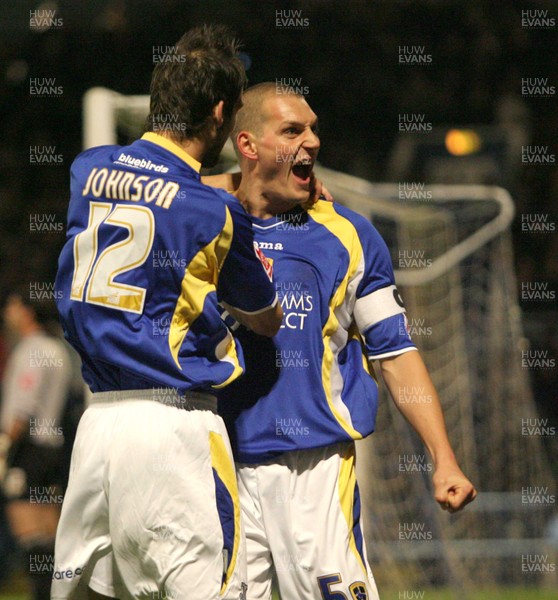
(452, 252)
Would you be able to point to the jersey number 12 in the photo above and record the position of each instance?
(97, 271)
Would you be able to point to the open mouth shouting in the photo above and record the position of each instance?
(302, 170)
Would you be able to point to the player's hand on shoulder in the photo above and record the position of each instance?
(452, 490)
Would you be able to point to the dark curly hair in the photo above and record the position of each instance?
(203, 70)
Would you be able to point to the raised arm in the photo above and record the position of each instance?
(452, 489)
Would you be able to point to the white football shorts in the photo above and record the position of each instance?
(151, 510)
(302, 521)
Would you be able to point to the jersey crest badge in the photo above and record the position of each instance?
(266, 262)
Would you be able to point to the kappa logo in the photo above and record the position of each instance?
(266, 262)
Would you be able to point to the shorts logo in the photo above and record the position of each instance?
(68, 574)
(266, 262)
(243, 590)
(358, 591)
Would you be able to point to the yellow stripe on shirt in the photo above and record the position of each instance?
(200, 279)
(324, 213)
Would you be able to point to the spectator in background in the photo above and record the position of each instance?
(35, 388)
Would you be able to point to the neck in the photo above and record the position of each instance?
(257, 202)
(195, 147)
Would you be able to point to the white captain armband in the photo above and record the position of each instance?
(377, 306)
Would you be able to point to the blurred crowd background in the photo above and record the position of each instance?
(346, 58)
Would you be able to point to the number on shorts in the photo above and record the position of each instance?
(97, 273)
(357, 588)
(325, 584)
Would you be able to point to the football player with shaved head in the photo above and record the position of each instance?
(295, 415)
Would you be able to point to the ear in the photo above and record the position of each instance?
(217, 113)
(247, 145)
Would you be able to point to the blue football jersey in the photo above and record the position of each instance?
(150, 251)
(311, 385)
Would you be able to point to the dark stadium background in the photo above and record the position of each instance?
(347, 58)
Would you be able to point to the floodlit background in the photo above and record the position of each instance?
(414, 93)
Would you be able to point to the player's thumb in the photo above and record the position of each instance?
(441, 495)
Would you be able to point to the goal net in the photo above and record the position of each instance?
(452, 253)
